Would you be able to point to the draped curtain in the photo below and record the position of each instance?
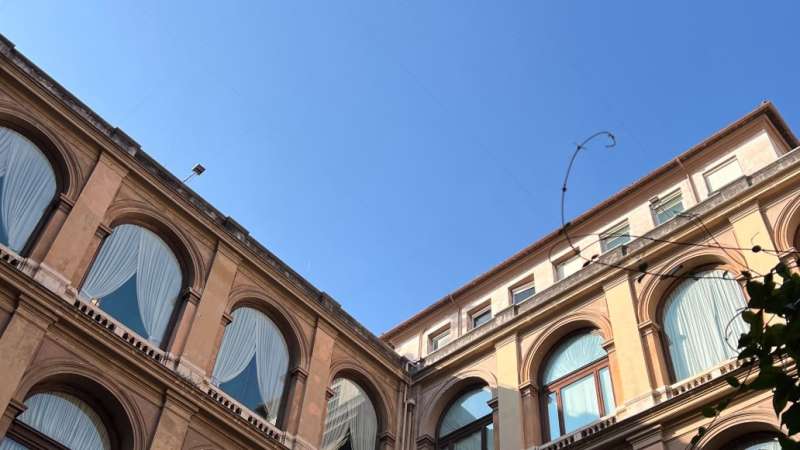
(470, 407)
(573, 354)
(67, 420)
(252, 334)
(768, 444)
(132, 250)
(702, 322)
(579, 404)
(350, 412)
(28, 187)
(10, 444)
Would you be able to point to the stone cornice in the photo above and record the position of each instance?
(223, 225)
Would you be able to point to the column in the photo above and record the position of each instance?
(315, 400)
(297, 390)
(531, 419)
(199, 347)
(62, 263)
(19, 343)
(634, 378)
(750, 230)
(173, 422)
(509, 416)
(648, 439)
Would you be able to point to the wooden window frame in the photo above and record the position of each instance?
(559, 384)
(611, 233)
(658, 202)
(449, 441)
(435, 335)
(523, 287)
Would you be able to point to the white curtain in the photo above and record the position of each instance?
(470, 407)
(10, 444)
(251, 333)
(579, 404)
(238, 345)
(350, 410)
(695, 320)
(67, 420)
(132, 250)
(158, 283)
(115, 264)
(28, 186)
(767, 444)
(573, 354)
(471, 442)
(272, 363)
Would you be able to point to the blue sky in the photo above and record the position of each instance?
(391, 151)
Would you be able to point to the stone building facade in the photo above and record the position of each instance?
(475, 370)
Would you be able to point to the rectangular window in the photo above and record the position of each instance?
(568, 267)
(522, 293)
(481, 316)
(722, 175)
(664, 209)
(438, 340)
(616, 236)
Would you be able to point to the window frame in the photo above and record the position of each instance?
(555, 387)
(448, 441)
(443, 332)
(660, 202)
(611, 233)
(562, 262)
(523, 287)
(733, 159)
(478, 312)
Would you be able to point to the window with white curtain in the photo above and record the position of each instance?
(136, 279)
(61, 417)
(467, 423)
(577, 384)
(27, 187)
(253, 362)
(350, 420)
(702, 322)
(755, 441)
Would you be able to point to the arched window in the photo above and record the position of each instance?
(577, 384)
(702, 322)
(467, 423)
(350, 421)
(57, 417)
(137, 280)
(27, 187)
(756, 441)
(253, 362)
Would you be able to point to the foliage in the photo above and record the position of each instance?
(770, 350)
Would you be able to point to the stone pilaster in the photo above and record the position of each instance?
(176, 413)
(508, 398)
(315, 400)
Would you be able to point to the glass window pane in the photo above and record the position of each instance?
(10, 444)
(579, 403)
(552, 416)
(572, 354)
(697, 317)
(65, 419)
(471, 442)
(470, 407)
(765, 444)
(608, 390)
(520, 295)
(668, 208)
(350, 411)
(439, 340)
(490, 436)
(482, 318)
(613, 238)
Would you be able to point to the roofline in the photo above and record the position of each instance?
(766, 108)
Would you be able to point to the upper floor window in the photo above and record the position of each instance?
(55, 416)
(522, 293)
(137, 280)
(702, 324)
(438, 339)
(723, 174)
(252, 362)
(569, 266)
(664, 209)
(614, 237)
(577, 384)
(27, 187)
(467, 423)
(351, 421)
(481, 316)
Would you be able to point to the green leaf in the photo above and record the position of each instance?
(733, 381)
(791, 418)
(709, 412)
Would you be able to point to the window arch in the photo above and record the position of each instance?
(253, 362)
(577, 383)
(60, 418)
(27, 188)
(701, 322)
(137, 279)
(755, 441)
(467, 422)
(350, 421)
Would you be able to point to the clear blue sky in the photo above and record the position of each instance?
(391, 151)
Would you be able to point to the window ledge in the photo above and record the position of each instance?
(578, 435)
(692, 383)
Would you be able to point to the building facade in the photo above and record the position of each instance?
(134, 315)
